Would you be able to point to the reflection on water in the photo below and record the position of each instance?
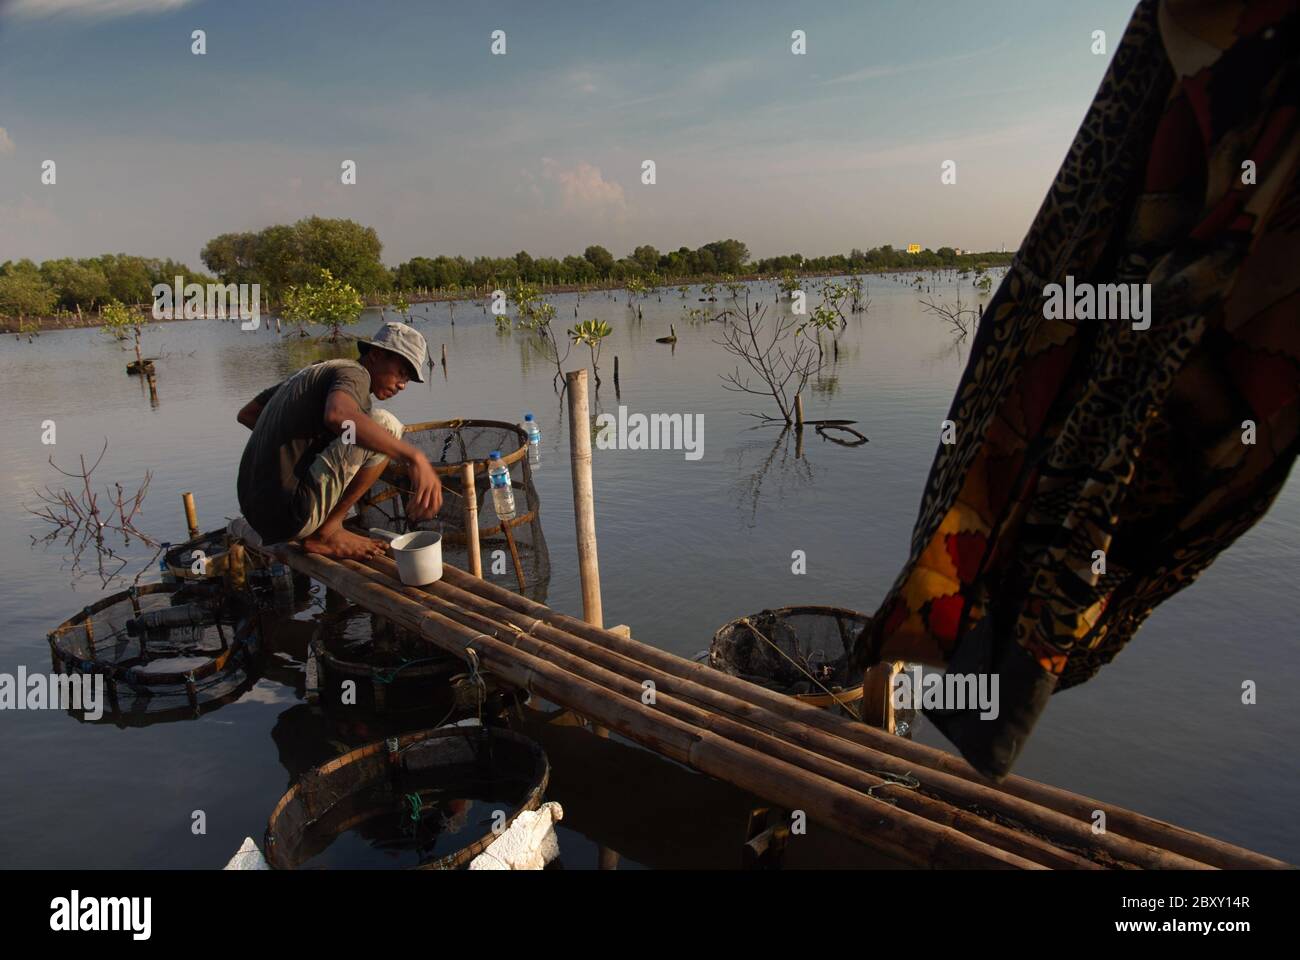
(782, 468)
(685, 546)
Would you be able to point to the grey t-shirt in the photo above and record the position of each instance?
(289, 434)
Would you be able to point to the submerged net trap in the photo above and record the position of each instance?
(394, 669)
(800, 651)
(430, 800)
(165, 650)
(514, 552)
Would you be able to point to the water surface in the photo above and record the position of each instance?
(684, 547)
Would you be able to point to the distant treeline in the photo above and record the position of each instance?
(71, 286)
(282, 256)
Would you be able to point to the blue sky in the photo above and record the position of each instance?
(460, 151)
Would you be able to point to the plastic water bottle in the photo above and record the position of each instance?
(182, 615)
(534, 438)
(503, 495)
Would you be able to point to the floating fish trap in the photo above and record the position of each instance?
(431, 800)
(800, 651)
(394, 669)
(513, 552)
(158, 644)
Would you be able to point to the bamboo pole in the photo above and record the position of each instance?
(514, 551)
(577, 662)
(812, 745)
(894, 750)
(1126, 823)
(471, 518)
(883, 826)
(191, 514)
(798, 411)
(584, 510)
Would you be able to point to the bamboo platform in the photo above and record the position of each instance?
(912, 802)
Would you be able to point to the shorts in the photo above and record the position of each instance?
(334, 468)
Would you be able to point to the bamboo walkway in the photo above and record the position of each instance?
(909, 801)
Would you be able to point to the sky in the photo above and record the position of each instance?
(460, 151)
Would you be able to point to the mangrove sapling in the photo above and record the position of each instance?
(859, 302)
(763, 350)
(591, 333)
(694, 315)
(329, 302)
(77, 517)
(833, 295)
(635, 288)
(123, 323)
(539, 321)
(822, 318)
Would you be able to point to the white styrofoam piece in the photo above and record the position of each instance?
(247, 857)
(529, 844)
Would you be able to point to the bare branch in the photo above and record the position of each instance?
(77, 520)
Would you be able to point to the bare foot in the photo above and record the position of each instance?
(343, 545)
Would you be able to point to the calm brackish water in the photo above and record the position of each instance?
(684, 545)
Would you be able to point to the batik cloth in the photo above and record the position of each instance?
(1097, 468)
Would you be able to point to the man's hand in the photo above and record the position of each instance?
(426, 496)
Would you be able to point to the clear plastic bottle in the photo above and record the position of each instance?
(276, 577)
(534, 433)
(182, 615)
(503, 495)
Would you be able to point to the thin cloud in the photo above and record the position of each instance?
(890, 70)
(92, 9)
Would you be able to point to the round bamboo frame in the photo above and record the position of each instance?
(368, 671)
(129, 673)
(453, 470)
(293, 813)
(838, 695)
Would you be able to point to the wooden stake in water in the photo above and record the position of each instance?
(584, 505)
(584, 509)
(191, 514)
(471, 517)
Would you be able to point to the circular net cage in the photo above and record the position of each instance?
(166, 651)
(513, 552)
(800, 651)
(430, 800)
(393, 670)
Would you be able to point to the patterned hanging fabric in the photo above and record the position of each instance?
(1101, 462)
